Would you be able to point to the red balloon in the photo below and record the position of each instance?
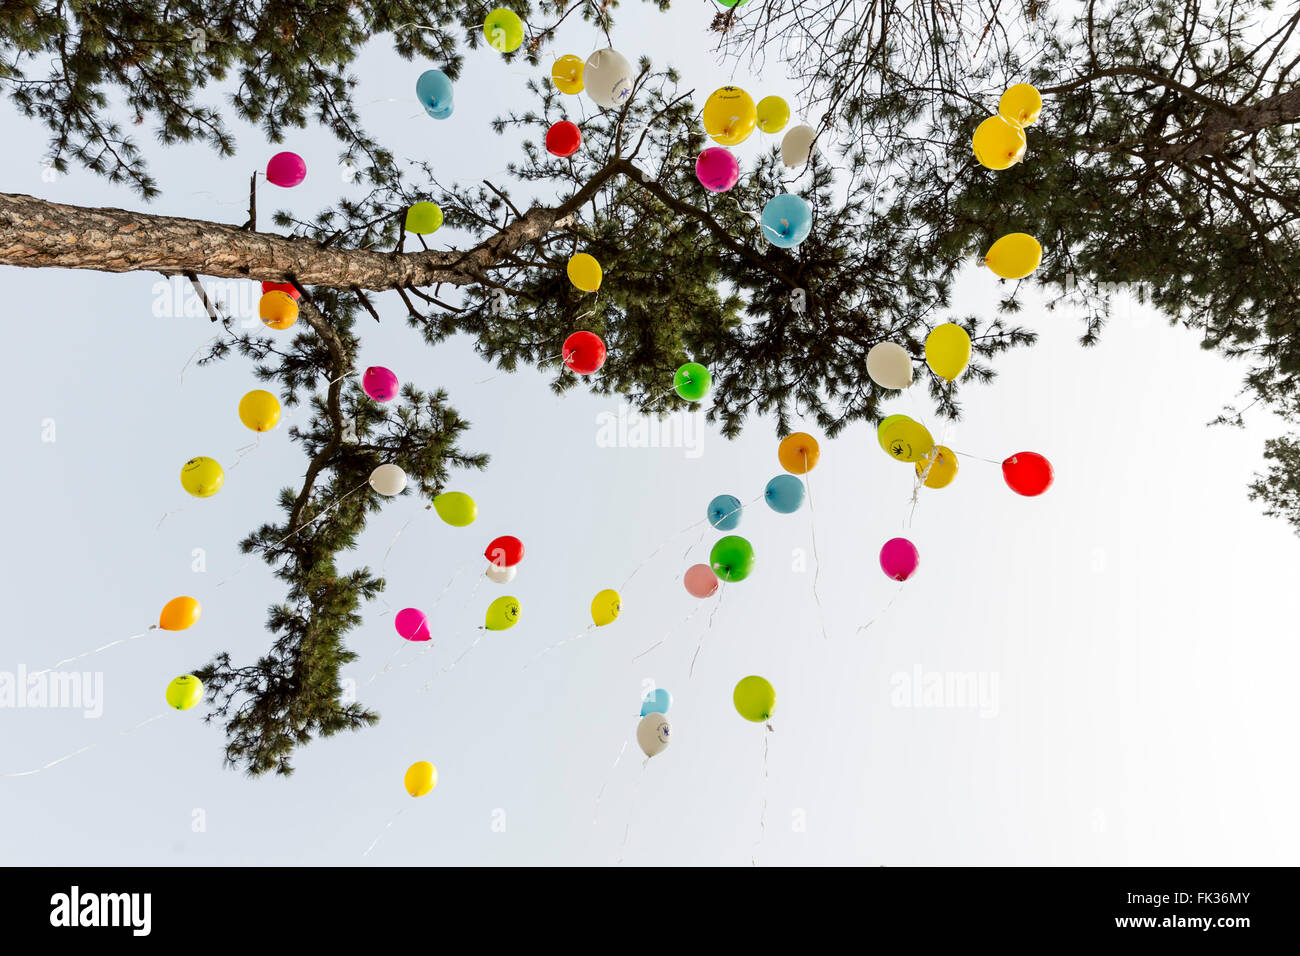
(1027, 473)
(584, 352)
(285, 287)
(505, 551)
(563, 139)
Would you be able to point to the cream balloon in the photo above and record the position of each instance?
(652, 734)
(796, 146)
(607, 78)
(388, 480)
(889, 365)
(501, 575)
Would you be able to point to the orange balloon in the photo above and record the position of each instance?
(277, 310)
(179, 613)
(798, 453)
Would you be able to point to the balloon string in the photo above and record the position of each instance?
(547, 650)
(884, 610)
(387, 826)
(817, 561)
(966, 454)
(166, 516)
(492, 378)
(82, 750)
(69, 660)
(631, 810)
(195, 353)
(762, 813)
(685, 621)
(700, 645)
(387, 665)
(596, 811)
(428, 685)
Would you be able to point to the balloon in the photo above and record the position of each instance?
(563, 139)
(733, 3)
(503, 30)
(889, 365)
(607, 78)
(584, 352)
(277, 310)
(584, 272)
(652, 734)
(755, 699)
(502, 614)
(259, 410)
(1028, 473)
(908, 441)
(729, 116)
(202, 477)
(423, 218)
(1014, 256)
(456, 508)
(939, 468)
(717, 169)
(380, 383)
(724, 512)
(286, 169)
(732, 558)
(700, 581)
(566, 74)
(388, 480)
(420, 778)
(947, 350)
(412, 624)
(501, 575)
(605, 607)
(797, 146)
(773, 114)
(1020, 104)
(998, 144)
(657, 701)
(184, 692)
(285, 287)
(787, 220)
(899, 558)
(692, 381)
(505, 551)
(179, 613)
(884, 426)
(784, 494)
(436, 94)
(798, 453)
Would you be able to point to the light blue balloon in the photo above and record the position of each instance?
(784, 493)
(787, 220)
(656, 702)
(435, 93)
(724, 512)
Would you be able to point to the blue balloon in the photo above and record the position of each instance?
(435, 93)
(656, 702)
(724, 512)
(787, 220)
(784, 493)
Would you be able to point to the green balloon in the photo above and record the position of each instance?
(733, 3)
(692, 381)
(456, 508)
(423, 218)
(732, 558)
(755, 699)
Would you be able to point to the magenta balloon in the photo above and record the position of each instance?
(700, 580)
(412, 624)
(380, 383)
(286, 169)
(899, 558)
(717, 169)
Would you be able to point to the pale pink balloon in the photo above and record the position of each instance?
(700, 580)
(899, 558)
(412, 624)
(717, 169)
(286, 169)
(380, 383)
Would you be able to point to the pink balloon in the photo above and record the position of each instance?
(899, 558)
(412, 624)
(380, 383)
(700, 580)
(717, 169)
(286, 169)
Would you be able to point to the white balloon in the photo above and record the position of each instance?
(889, 365)
(607, 78)
(500, 575)
(652, 734)
(796, 146)
(388, 480)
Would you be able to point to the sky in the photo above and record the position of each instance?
(1101, 675)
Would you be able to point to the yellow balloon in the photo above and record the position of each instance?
(456, 508)
(998, 143)
(773, 113)
(184, 692)
(1014, 256)
(884, 426)
(277, 309)
(908, 441)
(502, 614)
(605, 607)
(179, 613)
(939, 468)
(584, 272)
(729, 116)
(1020, 104)
(202, 477)
(947, 350)
(259, 410)
(421, 777)
(566, 74)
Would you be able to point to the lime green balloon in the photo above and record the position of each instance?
(502, 614)
(755, 699)
(503, 30)
(733, 3)
(424, 218)
(456, 508)
(692, 381)
(732, 558)
(184, 692)
(884, 426)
